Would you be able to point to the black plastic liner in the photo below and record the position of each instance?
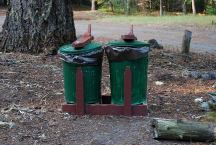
(126, 53)
(91, 58)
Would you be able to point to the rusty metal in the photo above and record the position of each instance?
(85, 39)
(105, 109)
(130, 36)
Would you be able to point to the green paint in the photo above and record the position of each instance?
(139, 70)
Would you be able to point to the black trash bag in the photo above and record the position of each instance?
(126, 53)
(91, 58)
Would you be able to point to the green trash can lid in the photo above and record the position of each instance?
(136, 44)
(69, 49)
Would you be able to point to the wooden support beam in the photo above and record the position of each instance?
(127, 92)
(80, 101)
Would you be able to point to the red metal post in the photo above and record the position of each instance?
(127, 92)
(80, 104)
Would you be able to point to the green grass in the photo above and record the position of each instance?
(167, 20)
(210, 117)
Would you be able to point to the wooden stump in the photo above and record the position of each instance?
(186, 41)
(183, 130)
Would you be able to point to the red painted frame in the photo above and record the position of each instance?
(80, 108)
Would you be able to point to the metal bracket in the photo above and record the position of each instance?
(84, 40)
(130, 36)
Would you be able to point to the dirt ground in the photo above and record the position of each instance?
(32, 94)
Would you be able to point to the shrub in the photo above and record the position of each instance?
(211, 10)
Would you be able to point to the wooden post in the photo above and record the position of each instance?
(161, 8)
(183, 130)
(186, 41)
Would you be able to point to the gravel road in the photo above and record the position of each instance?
(170, 36)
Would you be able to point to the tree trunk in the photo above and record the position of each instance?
(35, 26)
(161, 8)
(186, 41)
(194, 7)
(93, 8)
(184, 8)
(150, 4)
(183, 130)
(128, 7)
(111, 6)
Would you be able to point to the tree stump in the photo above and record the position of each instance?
(35, 26)
(183, 130)
(186, 41)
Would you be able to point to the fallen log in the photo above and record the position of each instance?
(169, 129)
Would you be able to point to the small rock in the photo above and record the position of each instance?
(43, 136)
(3, 118)
(6, 124)
(52, 123)
(214, 85)
(154, 44)
(213, 96)
(204, 106)
(59, 93)
(159, 83)
(198, 100)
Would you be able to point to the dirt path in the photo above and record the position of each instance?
(31, 95)
(170, 36)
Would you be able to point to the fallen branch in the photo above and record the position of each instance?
(183, 130)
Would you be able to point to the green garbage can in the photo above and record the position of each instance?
(121, 55)
(89, 58)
